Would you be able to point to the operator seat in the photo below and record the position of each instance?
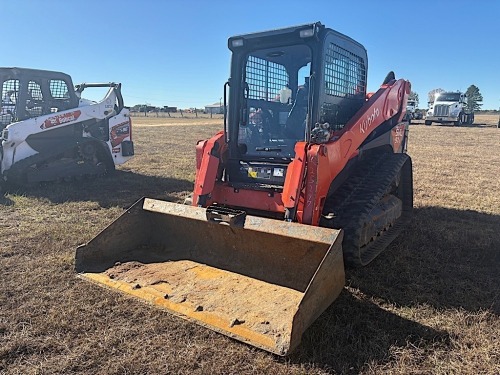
(294, 127)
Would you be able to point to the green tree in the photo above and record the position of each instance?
(413, 96)
(431, 95)
(474, 99)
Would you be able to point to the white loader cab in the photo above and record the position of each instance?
(449, 107)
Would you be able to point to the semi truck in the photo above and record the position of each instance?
(449, 107)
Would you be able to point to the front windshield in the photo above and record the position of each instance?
(276, 101)
(448, 97)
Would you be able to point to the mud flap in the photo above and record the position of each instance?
(262, 281)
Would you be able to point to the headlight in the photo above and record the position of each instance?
(307, 33)
(5, 134)
(237, 42)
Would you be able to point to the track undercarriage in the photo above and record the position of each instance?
(76, 161)
(372, 206)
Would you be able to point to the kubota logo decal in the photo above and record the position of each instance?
(60, 119)
(369, 120)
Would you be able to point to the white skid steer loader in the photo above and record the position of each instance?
(50, 133)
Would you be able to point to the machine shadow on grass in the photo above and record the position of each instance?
(445, 259)
(354, 332)
(122, 188)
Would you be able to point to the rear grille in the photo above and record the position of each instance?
(441, 110)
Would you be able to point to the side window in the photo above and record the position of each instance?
(345, 73)
(265, 79)
(10, 91)
(10, 97)
(59, 89)
(60, 95)
(304, 73)
(34, 102)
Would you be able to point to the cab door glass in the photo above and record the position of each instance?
(10, 97)
(275, 101)
(60, 95)
(34, 101)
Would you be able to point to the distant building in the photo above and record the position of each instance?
(169, 109)
(216, 108)
(144, 108)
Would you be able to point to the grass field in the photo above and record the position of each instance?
(430, 304)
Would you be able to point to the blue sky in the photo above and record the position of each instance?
(175, 52)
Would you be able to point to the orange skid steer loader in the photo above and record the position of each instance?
(309, 173)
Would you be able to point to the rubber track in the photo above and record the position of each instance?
(361, 192)
(16, 174)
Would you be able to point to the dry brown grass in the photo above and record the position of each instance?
(177, 115)
(428, 305)
(174, 121)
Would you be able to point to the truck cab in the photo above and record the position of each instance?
(411, 110)
(449, 107)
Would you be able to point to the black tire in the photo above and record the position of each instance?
(471, 118)
(460, 120)
(427, 122)
(104, 157)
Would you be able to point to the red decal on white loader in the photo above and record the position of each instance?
(60, 119)
(119, 132)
